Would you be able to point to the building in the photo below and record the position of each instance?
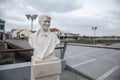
(8, 35)
(69, 35)
(20, 33)
(2, 30)
(14, 33)
(24, 34)
(64, 35)
(56, 31)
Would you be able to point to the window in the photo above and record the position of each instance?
(1, 27)
(22, 34)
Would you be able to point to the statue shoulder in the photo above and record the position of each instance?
(53, 34)
(33, 34)
(56, 39)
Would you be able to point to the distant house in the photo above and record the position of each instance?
(24, 34)
(20, 33)
(69, 35)
(64, 35)
(56, 31)
(8, 35)
(2, 30)
(14, 33)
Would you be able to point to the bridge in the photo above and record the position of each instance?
(93, 62)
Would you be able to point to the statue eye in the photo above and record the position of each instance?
(47, 21)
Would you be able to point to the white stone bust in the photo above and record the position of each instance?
(43, 41)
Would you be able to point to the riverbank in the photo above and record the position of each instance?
(86, 41)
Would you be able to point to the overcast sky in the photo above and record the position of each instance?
(76, 16)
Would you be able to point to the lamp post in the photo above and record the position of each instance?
(31, 17)
(94, 31)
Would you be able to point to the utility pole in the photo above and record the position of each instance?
(32, 18)
(94, 32)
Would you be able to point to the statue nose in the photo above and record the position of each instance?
(47, 22)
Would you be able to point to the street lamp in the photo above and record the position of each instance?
(94, 29)
(31, 17)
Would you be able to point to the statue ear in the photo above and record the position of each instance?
(39, 20)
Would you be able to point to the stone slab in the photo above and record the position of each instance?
(18, 71)
(52, 58)
(51, 77)
(114, 76)
(94, 69)
(76, 60)
(45, 68)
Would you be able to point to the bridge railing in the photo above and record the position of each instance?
(62, 50)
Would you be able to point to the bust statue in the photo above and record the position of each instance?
(43, 41)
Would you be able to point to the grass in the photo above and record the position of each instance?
(106, 42)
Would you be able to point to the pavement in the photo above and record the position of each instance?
(94, 63)
(69, 75)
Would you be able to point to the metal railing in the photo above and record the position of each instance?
(63, 49)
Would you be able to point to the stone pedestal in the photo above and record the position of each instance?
(48, 69)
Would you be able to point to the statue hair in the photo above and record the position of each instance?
(42, 16)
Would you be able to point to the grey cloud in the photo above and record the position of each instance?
(65, 22)
(2, 14)
(54, 5)
(2, 1)
(115, 14)
(10, 26)
(84, 24)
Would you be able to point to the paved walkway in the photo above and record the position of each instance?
(95, 63)
(69, 75)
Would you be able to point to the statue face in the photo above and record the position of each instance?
(45, 23)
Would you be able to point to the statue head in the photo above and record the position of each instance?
(44, 21)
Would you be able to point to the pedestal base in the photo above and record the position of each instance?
(48, 69)
(51, 77)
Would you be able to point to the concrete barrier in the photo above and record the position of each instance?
(19, 71)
